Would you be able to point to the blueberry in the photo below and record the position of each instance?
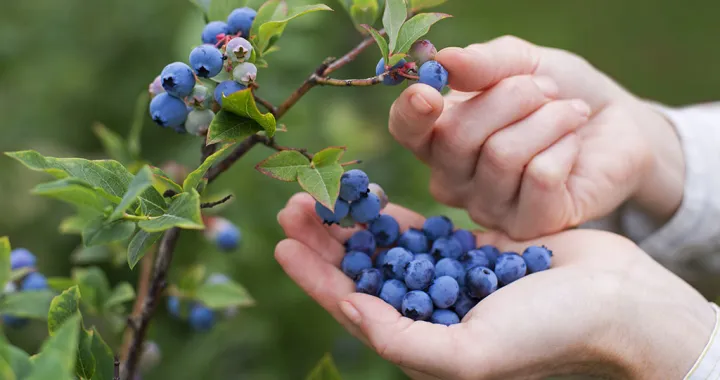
(168, 111)
(155, 87)
(437, 227)
(240, 21)
(362, 241)
(433, 74)
(201, 318)
(353, 185)
(366, 209)
(245, 73)
(227, 88)
(391, 79)
(492, 253)
(424, 256)
(354, 263)
(447, 247)
(414, 241)
(342, 209)
(475, 258)
(33, 282)
(419, 274)
(212, 30)
(510, 267)
(466, 239)
(206, 61)
(385, 229)
(227, 235)
(452, 268)
(481, 282)
(396, 260)
(537, 258)
(444, 292)
(380, 259)
(369, 282)
(444, 317)
(464, 304)
(393, 291)
(377, 190)
(422, 51)
(198, 121)
(173, 305)
(200, 97)
(21, 258)
(417, 305)
(177, 79)
(238, 49)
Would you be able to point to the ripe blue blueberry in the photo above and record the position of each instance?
(447, 247)
(245, 73)
(198, 121)
(385, 229)
(238, 49)
(414, 241)
(227, 88)
(510, 267)
(366, 209)
(464, 304)
(155, 87)
(492, 253)
(178, 79)
(393, 291)
(361, 241)
(33, 282)
(212, 30)
(369, 282)
(173, 306)
(391, 79)
(353, 185)
(481, 282)
(466, 239)
(168, 111)
(452, 268)
(422, 51)
(419, 274)
(380, 258)
(417, 305)
(22, 258)
(537, 258)
(354, 263)
(475, 258)
(240, 21)
(342, 209)
(424, 256)
(396, 260)
(206, 60)
(433, 74)
(224, 234)
(436, 227)
(377, 190)
(201, 318)
(444, 292)
(444, 317)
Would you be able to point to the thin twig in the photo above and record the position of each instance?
(269, 106)
(207, 151)
(236, 154)
(146, 264)
(216, 203)
(321, 81)
(353, 162)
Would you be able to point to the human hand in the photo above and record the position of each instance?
(534, 140)
(604, 308)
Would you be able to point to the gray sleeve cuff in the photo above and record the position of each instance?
(707, 365)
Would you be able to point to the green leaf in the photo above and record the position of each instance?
(60, 284)
(76, 224)
(395, 58)
(32, 305)
(93, 285)
(17, 360)
(104, 358)
(122, 293)
(195, 177)
(139, 116)
(242, 103)
(113, 144)
(283, 165)
(417, 5)
(62, 308)
(364, 12)
(325, 370)
(75, 192)
(393, 19)
(100, 232)
(322, 183)
(162, 181)
(220, 9)
(275, 28)
(222, 296)
(5, 267)
(415, 28)
(192, 278)
(139, 245)
(142, 181)
(266, 13)
(228, 127)
(56, 359)
(184, 212)
(85, 363)
(380, 41)
(328, 156)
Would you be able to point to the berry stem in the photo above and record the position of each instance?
(353, 162)
(136, 218)
(323, 81)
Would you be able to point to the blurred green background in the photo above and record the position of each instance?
(67, 64)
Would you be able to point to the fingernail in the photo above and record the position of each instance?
(351, 312)
(547, 85)
(580, 106)
(420, 105)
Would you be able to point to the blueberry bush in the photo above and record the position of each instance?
(129, 210)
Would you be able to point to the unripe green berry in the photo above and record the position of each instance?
(245, 73)
(198, 121)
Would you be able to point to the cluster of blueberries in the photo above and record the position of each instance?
(359, 202)
(21, 258)
(180, 100)
(200, 317)
(430, 71)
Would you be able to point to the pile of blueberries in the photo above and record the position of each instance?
(434, 274)
(199, 317)
(33, 281)
(429, 71)
(180, 100)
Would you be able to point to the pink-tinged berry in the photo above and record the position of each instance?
(423, 51)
